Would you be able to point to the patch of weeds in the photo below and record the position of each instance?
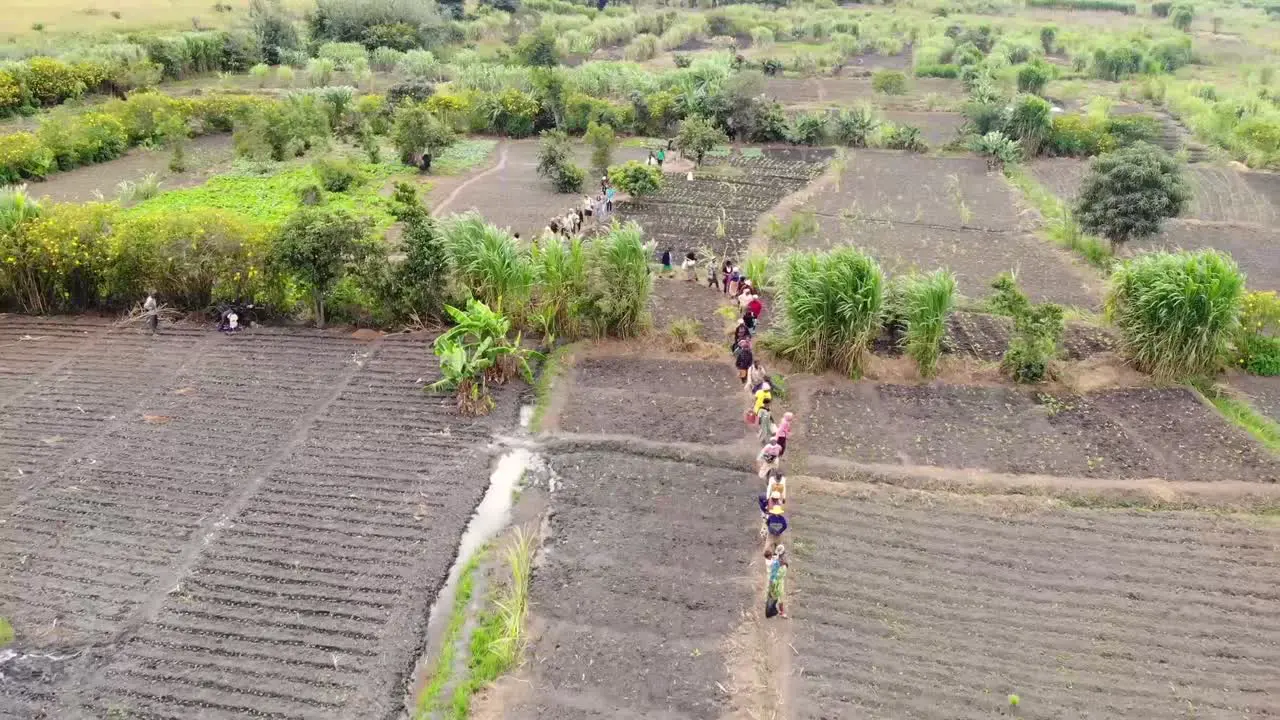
(957, 196)
(6, 632)
(1060, 223)
(551, 369)
(802, 224)
(429, 700)
(1053, 405)
(1242, 413)
(463, 156)
(682, 334)
(498, 641)
(720, 151)
(752, 153)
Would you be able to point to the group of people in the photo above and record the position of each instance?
(772, 434)
(597, 208)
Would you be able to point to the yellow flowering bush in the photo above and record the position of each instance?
(190, 259)
(89, 138)
(1260, 313)
(144, 113)
(55, 262)
(10, 94)
(51, 81)
(23, 157)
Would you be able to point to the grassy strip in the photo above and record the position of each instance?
(463, 155)
(429, 700)
(1243, 414)
(498, 642)
(551, 369)
(6, 632)
(1060, 226)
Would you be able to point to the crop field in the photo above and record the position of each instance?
(510, 193)
(728, 192)
(664, 400)
(916, 212)
(852, 88)
(238, 526)
(916, 605)
(633, 618)
(676, 299)
(1263, 392)
(986, 336)
(207, 156)
(1123, 433)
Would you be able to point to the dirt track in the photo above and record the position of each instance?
(218, 527)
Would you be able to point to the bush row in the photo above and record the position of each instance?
(1119, 6)
(65, 141)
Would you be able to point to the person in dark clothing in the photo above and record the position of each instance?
(666, 260)
(749, 320)
(741, 334)
(726, 271)
(743, 361)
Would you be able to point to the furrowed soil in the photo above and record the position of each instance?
(1255, 249)
(916, 212)
(206, 156)
(933, 606)
(1263, 392)
(196, 525)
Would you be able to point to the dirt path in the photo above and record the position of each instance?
(495, 168)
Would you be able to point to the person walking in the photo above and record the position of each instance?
(754, 305)
(726, 272)
(756, 377)
(777, 583)
(741, 334)
(152, 311)
(783, 432)
(749, 321)
(764, 418)
(713, 282)
(690, 266)
(743, 360)
(661, 157)
(768, 459)
(666, 260)
(608, 199)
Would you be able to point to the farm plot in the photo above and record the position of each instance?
(1263, 392)
(1127, 433)
(676, 400)
(676, 299)
(1255, 249)
(905, 606)
(986, 337)
(1221, 194)
(1060, 176)
(852, 88)
(718, 209)
(511, 195)
(631, 618)
(975, 256)
(207, 155)
(250, 528)
(937, 128)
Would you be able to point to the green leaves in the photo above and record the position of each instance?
(1129, 193)
(831, 306)
(928, 300)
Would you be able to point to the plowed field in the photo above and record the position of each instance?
(905, 606)
(218, 527)
(1255, 249)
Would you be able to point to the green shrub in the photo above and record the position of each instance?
(1030, 122)
(1260, 355)
(620, 281)
(889, 82)
(336, 175)
(1128, 193)
(698, 136)
(487, 261)
(999, 149)
(601, 138)
(12, 94)
(928, 300)
(1177, 312)
(54, 260)
(1161, 8)
(938, 71)
(855, 127)
(635, 178)
(51, 81)
(808, 128)
(1037, 329)
(318, 246)
(1048, 36)
(260, 73)
(1079, 136)
(1119, 6)
(555, 162)
(904, 137)
(418, 134)
(1181, 16)
(830, 307)
(1032, 78)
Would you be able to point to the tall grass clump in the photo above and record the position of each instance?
(486, 260)
(620, 281)
(927, 301)
(560, 287)
(831, 305)
(1177, 312)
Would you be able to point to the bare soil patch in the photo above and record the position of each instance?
(1255, 249)
(920, 605)
(901, 187)
(1263, 392)
(850, 88)
(937, 128)
(1060, 176)
(1116, 433)
(631, 618)
(207, 156)
(1222, 194)
(676, 299)
(986, 337)
(270, 550)
(976, 256)
(687, 401)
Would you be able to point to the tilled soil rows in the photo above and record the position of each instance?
(904, 606)
(1125, 433)
(222, 527)
(1255, 249)
(647, 576)
(727, 192)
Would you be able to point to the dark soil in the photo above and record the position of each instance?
(1045, 272)
(1120, 433)
(206, 156)
(912, 608)
(1255, 249)
(937, 128)
(677, 299)
(901, 187)
(668, 401)
(1061, 176)
(225, 526)
(1263, 392)
(633, 616)
(851, 87)
(986, 337)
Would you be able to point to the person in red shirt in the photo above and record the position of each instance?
(755, 306)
